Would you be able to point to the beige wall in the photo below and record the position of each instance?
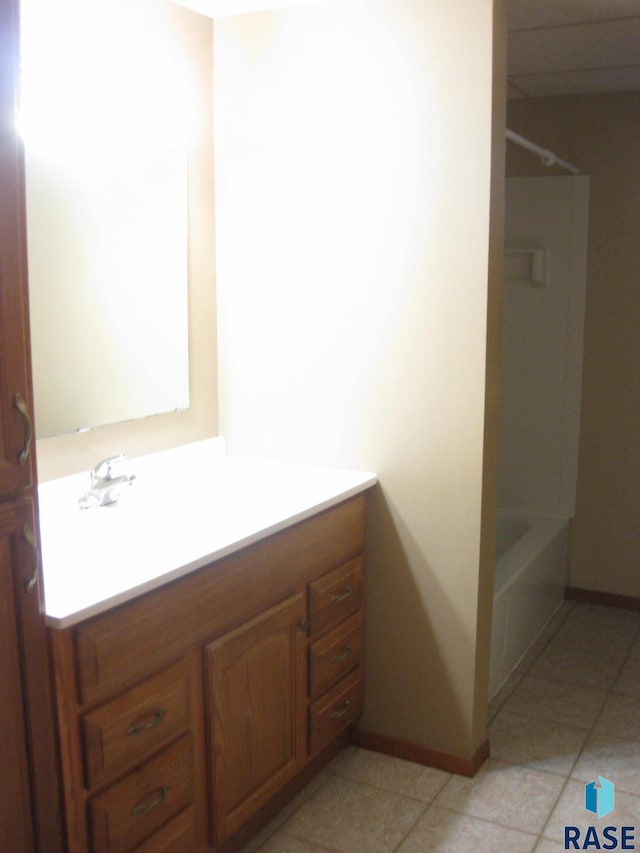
(353, 154)
(192, 40)
(600, 134)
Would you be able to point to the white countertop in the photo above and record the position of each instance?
(187, 507)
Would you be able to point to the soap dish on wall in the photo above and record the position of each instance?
(526, 265)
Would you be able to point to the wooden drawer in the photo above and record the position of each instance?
(335, 654)
(335, 710)
(334, 596)
(132, 809)
(127, 730)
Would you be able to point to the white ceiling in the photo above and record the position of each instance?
(571, 47)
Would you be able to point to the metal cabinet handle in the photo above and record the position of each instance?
(30, 539)
(21, 405)
(145, 808)
(341, 596)
(344, 710)
(342, 655)
(138, 728)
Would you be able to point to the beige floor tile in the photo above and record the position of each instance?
(617, 760)
(612, 636)
(599, 614)
(443, 831)
(346, 816)
(546, 846)
(535, 743)
(576, 666)
(634, 652)
(280, 843)
(512, 796)
(620, 717)
(570, 811)
(389, 773)
(628, 680)
(264, 834)
(567, 704)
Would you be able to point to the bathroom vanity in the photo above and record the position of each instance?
(187, 709)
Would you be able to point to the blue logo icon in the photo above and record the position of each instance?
(599, 797)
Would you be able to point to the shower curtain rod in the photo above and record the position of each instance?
(547, 157)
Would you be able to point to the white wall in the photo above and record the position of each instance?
(353, 152)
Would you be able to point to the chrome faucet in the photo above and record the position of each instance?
(105, 488)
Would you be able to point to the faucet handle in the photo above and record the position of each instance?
(102, 471)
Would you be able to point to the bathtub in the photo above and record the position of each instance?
(530, 579)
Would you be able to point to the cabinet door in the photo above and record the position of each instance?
(15, 805)
(16, 462)
(25, 693)
(256, 713)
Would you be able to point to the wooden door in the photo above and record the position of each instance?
(256, 712)
(16, 461)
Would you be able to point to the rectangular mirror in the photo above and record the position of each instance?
(103, 112)
(108, 287)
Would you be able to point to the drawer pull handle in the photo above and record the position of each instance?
(145, 808)
(342, 655)
(21, 405)
(344, 710)
(30, 539)
(342, 595)
(138, 728)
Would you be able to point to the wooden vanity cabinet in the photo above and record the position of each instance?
(185, 712)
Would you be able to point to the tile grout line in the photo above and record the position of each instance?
(413, 826)
(304, 840)
(395, 793)
(542, 836)
(485, 820)
(297, 808)
(489, 822)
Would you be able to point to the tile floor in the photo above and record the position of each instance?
(569, 713)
